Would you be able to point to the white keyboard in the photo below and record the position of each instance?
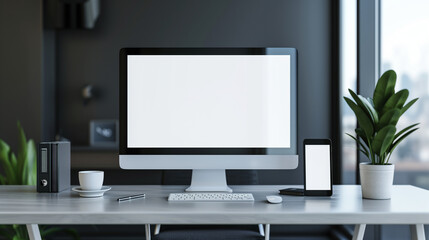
(211, 197)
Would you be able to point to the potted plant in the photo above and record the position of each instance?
(377, 136)
(21, 169)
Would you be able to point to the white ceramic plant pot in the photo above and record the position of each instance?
(376, 180)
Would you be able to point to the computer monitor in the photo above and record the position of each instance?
(208, 109)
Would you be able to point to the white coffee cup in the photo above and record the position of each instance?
(91, 180)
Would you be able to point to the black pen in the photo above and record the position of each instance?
(131, 197)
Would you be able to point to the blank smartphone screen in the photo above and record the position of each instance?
(317, 167)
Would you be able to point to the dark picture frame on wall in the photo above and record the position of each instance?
(104, 133)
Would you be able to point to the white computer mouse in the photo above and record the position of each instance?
(274, 199)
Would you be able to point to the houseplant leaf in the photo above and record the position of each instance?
(7, 158)
(22, 156)
(391, 117)
(399, 140)
(361, 134)
(404, 130)
(13, 172)
(397, 100)
(384, 89)
(370, 107)
(31, 160)
(383, 139)
(365, 105)
(408, 105)
(363, 120)
(362, 147)
(4, 149)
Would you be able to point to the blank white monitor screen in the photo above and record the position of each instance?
(208, 101)
(317, 167)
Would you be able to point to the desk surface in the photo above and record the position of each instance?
(23, 205)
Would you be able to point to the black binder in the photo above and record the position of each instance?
(53, 167)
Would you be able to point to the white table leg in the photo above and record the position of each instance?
(33, 232)
(359, 231)
(157, 229)
(147, 229)
(417, 232)
(261, 229)
(267, 231)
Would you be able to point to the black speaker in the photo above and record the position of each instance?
(53, 167)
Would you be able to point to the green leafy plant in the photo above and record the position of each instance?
(377, 117)
(21, 169)
(18, 169)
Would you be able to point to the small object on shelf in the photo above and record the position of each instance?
(104, 133)
(88, 93)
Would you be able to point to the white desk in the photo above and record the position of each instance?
(22, 205)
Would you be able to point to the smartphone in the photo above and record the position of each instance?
(317, 167)
(292, 191)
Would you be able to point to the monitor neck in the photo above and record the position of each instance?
(208, 180)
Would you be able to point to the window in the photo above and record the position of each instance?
(404, 45)
(348, 76)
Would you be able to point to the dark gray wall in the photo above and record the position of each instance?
(91, 56)
(21, 34)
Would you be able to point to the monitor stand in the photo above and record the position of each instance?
(208, 180)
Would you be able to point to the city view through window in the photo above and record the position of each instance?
(405, 48)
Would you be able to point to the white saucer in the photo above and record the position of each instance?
(91, 193)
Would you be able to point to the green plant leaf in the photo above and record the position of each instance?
(362, 147)
(29, 164)
(46, 231)
(370, 102)
(397, 100)
(408, 105)
(391, 117)
(22, 156)
(8, 168)
(383, 139)
(4, 159)
(20, 232)
(404, 130)
(12, 177)
(384, 89)
(365, 105)
(365, 153)
(364, 121)
(22, 169)
(399, 140)
(370, 107)
(22, 138)
(31, 160)
(4, 149)
(2, 182)
(361, 134)
(24, 172)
